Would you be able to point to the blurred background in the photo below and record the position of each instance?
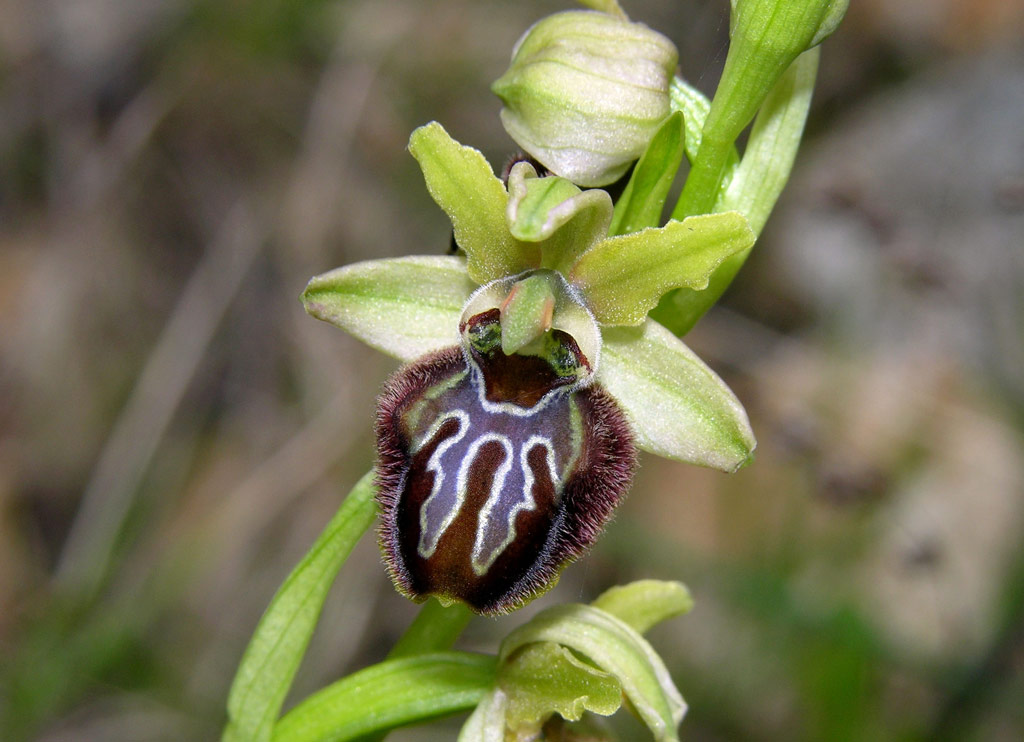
(174, 431)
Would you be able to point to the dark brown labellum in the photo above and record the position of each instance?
(494, 471)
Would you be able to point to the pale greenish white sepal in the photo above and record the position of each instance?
(405, 307)
(677, 406)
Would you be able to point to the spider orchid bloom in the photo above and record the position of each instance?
(505, 444)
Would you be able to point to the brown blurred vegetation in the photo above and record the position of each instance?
(174, 430)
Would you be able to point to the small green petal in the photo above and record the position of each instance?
(556, 213)
(404, 307)
(642, 202)
(487, 722)
(614, 647)
(678, 407)
(645, 603)
(623, 277)
(462, 183)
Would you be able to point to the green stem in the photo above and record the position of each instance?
(435, 629)
(766, 36)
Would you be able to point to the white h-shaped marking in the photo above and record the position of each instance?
(481, 565)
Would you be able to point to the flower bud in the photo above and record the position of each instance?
(585, 93)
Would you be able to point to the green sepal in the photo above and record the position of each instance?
(555, 213)
(755, 184)
(460, 180)
(642, 202)
(623, 277)
(390, 694)
(615, 648)
(678, 407)
(272, 658)
(405, 307)
(645, 603)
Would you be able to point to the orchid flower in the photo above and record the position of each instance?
(534, 371)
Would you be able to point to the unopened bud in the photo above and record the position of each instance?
(585, 93)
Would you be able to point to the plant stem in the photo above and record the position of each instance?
(434, 629)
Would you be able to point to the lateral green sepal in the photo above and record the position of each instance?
(678, 407)
(405, 307)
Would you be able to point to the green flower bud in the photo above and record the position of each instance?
(585, 93)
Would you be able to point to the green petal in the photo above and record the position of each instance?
(404, 307)
(642, 202)
(623, 277)
(487, 722)
(616, 648)
(389, 694)
(462, 183)
(678, 407)
(644, 603)
(557, 214)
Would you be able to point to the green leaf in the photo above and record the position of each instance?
(645, 603)
(404, 307)
(613, 646)
(834, 15)
(390, 694)
(624, 277)
(756, 184)
(557, 214)
(641, 203)
(678, 407)
(279, 642)
(773, 144)
(460, 180)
